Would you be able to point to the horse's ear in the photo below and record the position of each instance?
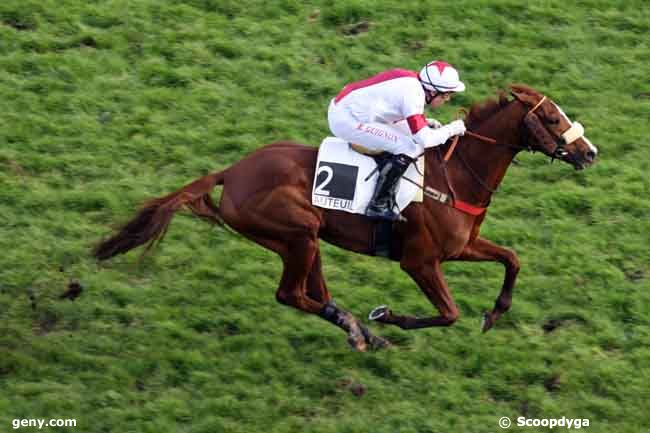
(523, 94)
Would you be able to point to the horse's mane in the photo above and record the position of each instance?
(482, 111)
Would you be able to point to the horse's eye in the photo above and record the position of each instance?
(553, 120)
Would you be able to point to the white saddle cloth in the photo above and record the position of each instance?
(342, 181)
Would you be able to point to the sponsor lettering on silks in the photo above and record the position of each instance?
(377, 132)
(335, 185)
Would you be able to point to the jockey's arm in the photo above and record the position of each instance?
(429, 137)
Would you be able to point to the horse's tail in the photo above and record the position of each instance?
(150, 224)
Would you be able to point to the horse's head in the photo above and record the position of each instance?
(551, 131)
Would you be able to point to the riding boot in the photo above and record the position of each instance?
(383, 200)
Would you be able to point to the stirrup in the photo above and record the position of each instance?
(386, 211)
(387, 214)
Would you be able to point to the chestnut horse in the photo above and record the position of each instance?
(267, 198)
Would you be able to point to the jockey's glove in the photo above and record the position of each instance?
(457, 127)
(433, 123)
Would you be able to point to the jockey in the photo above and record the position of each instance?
(367, 112)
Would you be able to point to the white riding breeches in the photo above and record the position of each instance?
(372, 135)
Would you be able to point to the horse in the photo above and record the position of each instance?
(266, 198)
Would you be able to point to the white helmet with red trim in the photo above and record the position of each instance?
(439, 76)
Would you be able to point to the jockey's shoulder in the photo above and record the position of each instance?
(400, 72)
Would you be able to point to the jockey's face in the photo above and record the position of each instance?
(439, 99)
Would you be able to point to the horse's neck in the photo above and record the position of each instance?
(488, 161)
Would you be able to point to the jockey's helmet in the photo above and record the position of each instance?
(439, 76)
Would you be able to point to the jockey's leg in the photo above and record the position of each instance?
(374, 135)
(383, 203)
(379, 137)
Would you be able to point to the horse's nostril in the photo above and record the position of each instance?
(591, 155)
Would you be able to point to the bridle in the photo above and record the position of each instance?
(519, 147)
(575, 131)
(531, 121)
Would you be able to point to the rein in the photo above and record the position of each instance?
(475, 175)
(455, 140)
(450, 199)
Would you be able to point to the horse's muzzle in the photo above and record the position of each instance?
(579, 161)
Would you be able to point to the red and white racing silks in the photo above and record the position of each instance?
(370, 112)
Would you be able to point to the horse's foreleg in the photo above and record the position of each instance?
(429, 278)
(483, 250)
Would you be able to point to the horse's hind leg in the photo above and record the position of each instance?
(298, 259)
(286, 223)
(302, 266)
(316, 287)
(317, 290)
(302, 286)
(483, 250)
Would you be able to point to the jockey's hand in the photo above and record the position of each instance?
(457, 127)
(433, 123)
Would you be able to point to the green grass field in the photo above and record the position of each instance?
(104, 104)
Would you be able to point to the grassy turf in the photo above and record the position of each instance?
(106, 103)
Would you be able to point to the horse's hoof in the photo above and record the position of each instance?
(378, 343)
(487, 322)
(378, 312)
(374, 342)
(358, 344)
(356, 338)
